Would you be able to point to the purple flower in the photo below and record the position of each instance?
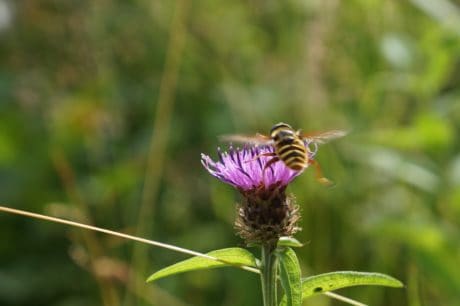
(244, 168)
(265, 212)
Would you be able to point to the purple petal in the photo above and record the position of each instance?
(244, 168)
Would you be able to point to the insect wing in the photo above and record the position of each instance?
(257, 139)
(322, 137)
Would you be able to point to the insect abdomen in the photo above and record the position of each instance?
(289, 148)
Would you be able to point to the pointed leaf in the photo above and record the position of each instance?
(231, 256)
(341, 279)
(290, 276)
(289, 242)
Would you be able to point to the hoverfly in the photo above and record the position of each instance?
(290, 146)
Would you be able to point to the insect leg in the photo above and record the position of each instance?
(268, 164)
(271, 161)
(260, 155)
(319, 174)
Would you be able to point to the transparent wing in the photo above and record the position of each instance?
(322, 137)
(257, 139)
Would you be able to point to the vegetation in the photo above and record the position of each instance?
(105, 107)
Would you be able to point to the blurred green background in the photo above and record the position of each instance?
(106, 106)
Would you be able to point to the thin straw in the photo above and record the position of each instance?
(126, 236)
(343, 299)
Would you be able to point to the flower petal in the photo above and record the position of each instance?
(245, 168)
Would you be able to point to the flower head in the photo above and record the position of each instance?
(266, 213)
(246, 169)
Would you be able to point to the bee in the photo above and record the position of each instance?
(290, 146)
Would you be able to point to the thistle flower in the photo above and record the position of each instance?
(265, 213)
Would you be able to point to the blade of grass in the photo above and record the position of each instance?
(159, 137)
(66, 174)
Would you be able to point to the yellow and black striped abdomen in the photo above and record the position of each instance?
(290, 149)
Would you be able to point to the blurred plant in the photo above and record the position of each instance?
(80, 86)
(267, 218)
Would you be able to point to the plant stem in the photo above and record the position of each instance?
(268, 275)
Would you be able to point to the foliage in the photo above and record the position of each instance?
(80, 85)
(229, 257)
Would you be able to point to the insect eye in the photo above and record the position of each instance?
(285, 133)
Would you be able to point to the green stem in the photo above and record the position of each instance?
(268, 276)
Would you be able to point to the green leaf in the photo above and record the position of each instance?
(341, 279)
(289, 242)
(230, 256)
(290, 276)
